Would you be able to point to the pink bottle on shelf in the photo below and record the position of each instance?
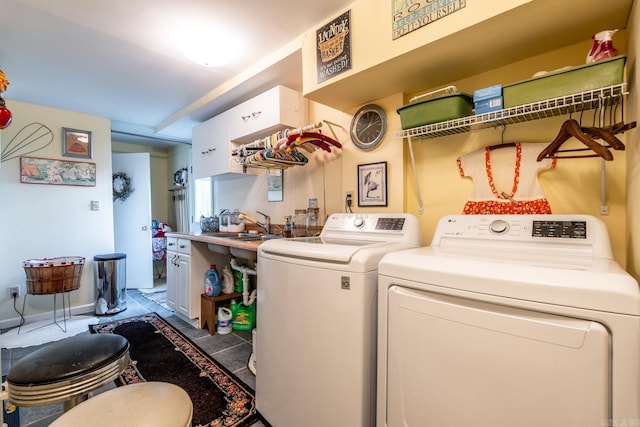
(602, 46)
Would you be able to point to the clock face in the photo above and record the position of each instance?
(368, 127)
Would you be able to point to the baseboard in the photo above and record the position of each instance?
(37, 317)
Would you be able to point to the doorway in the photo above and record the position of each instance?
(132, 218)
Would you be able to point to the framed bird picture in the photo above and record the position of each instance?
(372, 184)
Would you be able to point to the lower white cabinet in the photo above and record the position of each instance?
(179, 289)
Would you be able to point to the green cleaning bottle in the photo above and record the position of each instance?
(237, 274)
(243, 316)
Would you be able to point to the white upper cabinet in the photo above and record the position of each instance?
(269, 112)
(215, 140)
(210, 148)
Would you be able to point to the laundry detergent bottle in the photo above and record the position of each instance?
(212, 285)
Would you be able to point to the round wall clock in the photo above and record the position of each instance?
(368, 127)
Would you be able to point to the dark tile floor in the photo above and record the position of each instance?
(231, 350)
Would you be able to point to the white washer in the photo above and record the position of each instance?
(509, 321)
(316, 325)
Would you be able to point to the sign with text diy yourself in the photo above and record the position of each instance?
(410, 15)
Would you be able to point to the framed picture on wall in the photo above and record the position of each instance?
(76, 143)
(35, 170)
(372, 184)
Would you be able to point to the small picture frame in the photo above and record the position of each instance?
(372, 184)
(275, 178)
(76, 143)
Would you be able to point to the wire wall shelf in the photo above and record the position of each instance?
(577, 102)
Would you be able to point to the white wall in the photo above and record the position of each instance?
(38, 221)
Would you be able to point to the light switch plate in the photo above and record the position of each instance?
(95, 205)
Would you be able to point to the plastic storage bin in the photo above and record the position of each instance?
(607, 72)
(438, 109)
(111, 283)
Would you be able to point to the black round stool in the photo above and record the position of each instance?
(67, 370)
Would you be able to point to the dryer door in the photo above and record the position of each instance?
(455, 362)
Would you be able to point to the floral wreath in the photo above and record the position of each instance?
(121, 186)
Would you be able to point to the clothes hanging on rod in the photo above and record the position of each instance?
(505, 181)
(281, 149)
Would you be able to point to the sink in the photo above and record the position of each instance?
(219, 249)
(244, 254)
(238, 237)
(254, 237)
(220, 234)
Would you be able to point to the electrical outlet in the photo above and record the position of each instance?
(14, 291)
(348, 199)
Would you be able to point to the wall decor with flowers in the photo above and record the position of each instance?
(35, 170)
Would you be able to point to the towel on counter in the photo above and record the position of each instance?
(505, 180)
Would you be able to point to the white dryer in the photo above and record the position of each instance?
(316, 324)
(509, 321)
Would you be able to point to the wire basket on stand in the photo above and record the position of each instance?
(48, 276)
(53, 275)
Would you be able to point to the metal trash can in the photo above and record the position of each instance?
(111, 282)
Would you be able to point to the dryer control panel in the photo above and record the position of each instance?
(580, 234)
(562, 229)
(567, 229)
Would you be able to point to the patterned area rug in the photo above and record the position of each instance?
(159, 352)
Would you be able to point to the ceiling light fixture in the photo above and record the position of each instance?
(208, 47)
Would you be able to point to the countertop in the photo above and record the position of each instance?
(209, 239)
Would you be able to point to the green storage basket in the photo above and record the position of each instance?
(607, 72)
(433, 110)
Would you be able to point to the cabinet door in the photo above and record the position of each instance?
(172, 278)
(184, 285)
(265, 114)
(184, 246)
(211, 151)
(254, 115)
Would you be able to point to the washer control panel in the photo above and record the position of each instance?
(403, 227)
(366, 222)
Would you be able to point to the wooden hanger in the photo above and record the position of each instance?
(621, 127)
(571, 128)
(502, 143)
(605, 135)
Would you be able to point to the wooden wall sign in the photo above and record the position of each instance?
(333, 49)
(410, 15)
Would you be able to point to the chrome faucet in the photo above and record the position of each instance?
(267, 222)
(266, 226)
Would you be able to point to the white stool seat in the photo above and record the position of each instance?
(156, 404)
